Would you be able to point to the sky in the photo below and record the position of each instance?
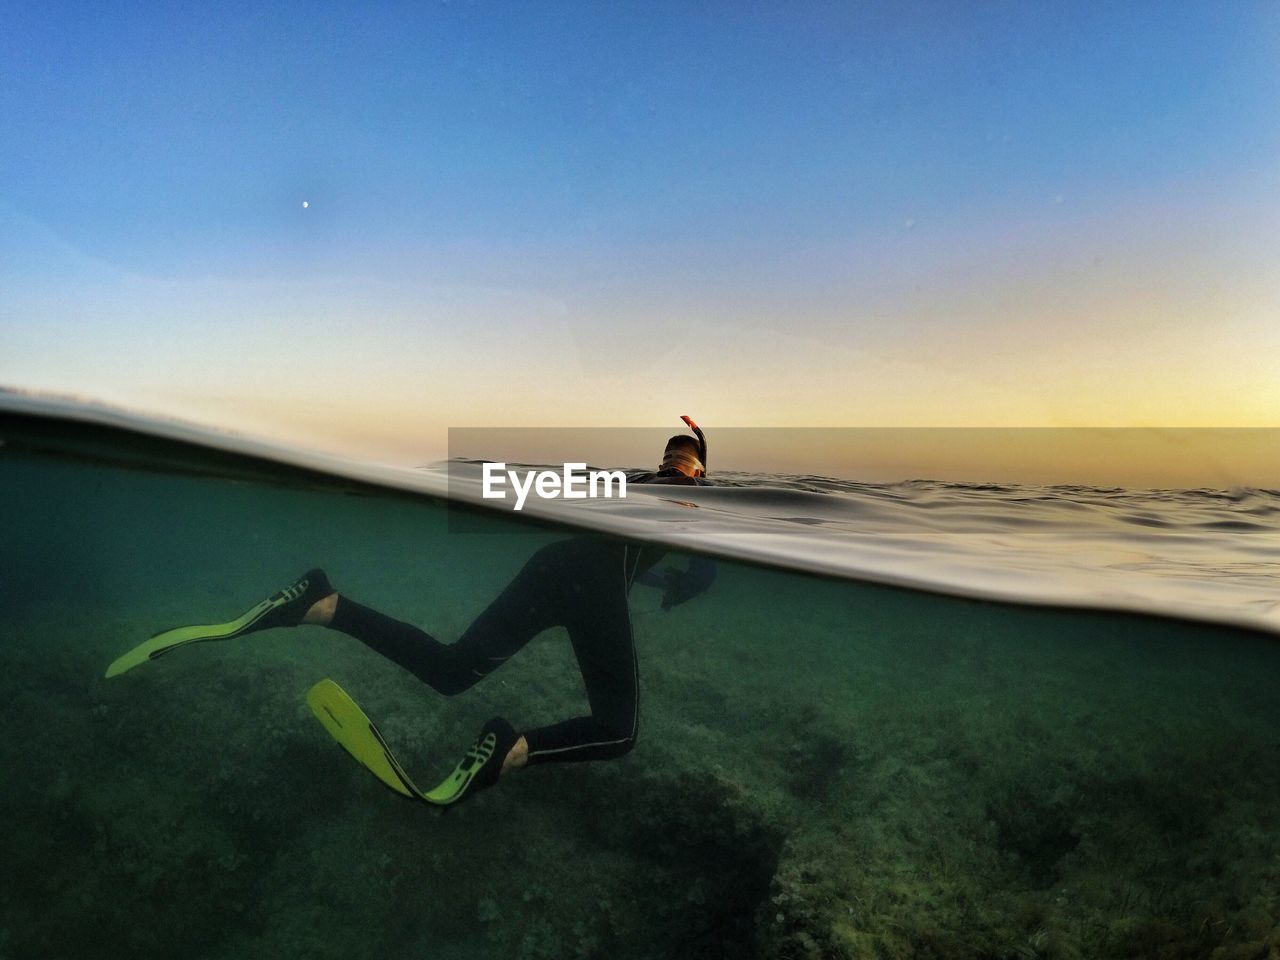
(353, 228)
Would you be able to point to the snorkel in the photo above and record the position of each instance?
(702, 440)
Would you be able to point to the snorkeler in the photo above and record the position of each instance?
(581, 584)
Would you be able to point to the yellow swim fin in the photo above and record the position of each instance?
(162, 643)
(284, 608)
(359, 736)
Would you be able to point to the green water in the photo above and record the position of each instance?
(824, 769)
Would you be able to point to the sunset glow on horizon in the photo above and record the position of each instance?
(356, 231)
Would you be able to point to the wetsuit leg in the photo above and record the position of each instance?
(599, 624)
(581, 584)
(528, 605)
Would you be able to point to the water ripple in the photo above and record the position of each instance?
(1203, 554)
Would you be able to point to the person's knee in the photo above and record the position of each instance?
(622, 742)
(450, 683)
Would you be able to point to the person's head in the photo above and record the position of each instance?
(681, 456)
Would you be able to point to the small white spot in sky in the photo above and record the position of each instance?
(305, 204)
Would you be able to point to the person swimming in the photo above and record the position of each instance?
(581, 583)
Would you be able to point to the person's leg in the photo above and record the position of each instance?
(524, 609)
(600, 628)
(582, 584)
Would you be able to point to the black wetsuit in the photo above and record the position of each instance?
(580, 584)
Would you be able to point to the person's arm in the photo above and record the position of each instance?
(653, 578)
(681, 585)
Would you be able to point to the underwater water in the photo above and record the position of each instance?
(826, 767)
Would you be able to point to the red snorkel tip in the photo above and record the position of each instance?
(702, 441)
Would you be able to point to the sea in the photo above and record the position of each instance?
(916, 719)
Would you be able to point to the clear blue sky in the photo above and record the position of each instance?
(856, 213)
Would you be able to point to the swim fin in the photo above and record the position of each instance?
(359, 736)
(479, 768)
(285, 608)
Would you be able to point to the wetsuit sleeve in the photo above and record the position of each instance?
(681, 585)
(693, 582)
(652, 578)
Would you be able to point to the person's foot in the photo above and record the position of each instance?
(292, 605)
(321, 612)
(517, 756)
